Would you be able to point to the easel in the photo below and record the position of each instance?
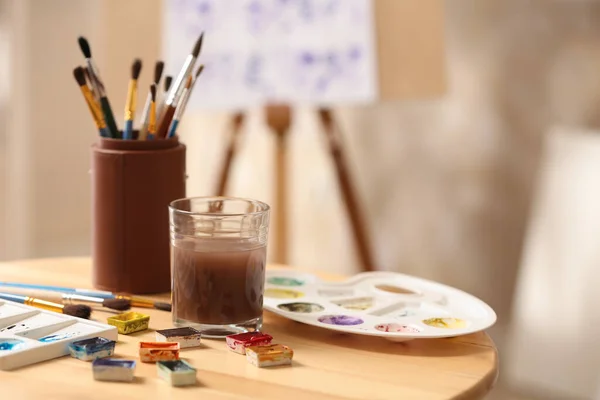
(279, 120)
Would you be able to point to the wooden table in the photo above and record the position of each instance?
(327, 365)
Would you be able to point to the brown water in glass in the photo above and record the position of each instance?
(218, 282)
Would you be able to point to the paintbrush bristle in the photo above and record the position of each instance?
(162, 306)
(85, 47)
(78, 310)
(200, 69)
(198, 45)
(79, 75)
(158, 70)
(117, 304)
(153, 92)
(136, 68)
(168, 80)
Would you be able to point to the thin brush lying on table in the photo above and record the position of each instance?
(69, 298)
(77, 310)
(135, 301)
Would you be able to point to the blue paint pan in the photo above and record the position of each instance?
(92, 349)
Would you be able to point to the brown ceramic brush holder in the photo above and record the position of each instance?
(133, 183)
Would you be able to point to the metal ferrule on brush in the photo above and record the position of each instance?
(46, 305)
(131, 100)
(79, 299)
(94, 107)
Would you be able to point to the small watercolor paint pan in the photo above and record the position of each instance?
(159, 351)
(240, 341)
(113, 370)
(176, 373)
(394, 306)
(130, 322)
(186, 336)
(270, 355)
(91, 349)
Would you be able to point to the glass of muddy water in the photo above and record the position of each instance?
(218, 260)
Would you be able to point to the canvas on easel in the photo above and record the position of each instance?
(320, 53)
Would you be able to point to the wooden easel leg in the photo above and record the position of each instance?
(279, 120)
(348, 194)
(230, 152)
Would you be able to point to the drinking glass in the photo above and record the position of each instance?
(218, 257)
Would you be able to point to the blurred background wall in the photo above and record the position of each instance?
(446, 183)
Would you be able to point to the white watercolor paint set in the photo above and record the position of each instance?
(30, 335)
(391, 305)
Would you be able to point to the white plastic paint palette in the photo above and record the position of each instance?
(391, 305)
(29, 335)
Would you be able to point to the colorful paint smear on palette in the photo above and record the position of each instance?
(360, 304)
(345, 320)
(55, 338)
(241, 341)
(283, 293)
(129, 322)
(301, 307)
(11, 344)
(186, 336)
(397, 328)
(91, 349)
(158, 351)
(270, 355)
(113, 370)
(284, 281)
(176, 373)
(448, 323)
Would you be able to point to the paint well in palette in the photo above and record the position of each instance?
(55, 338)
(11, 344)
(447, 323)
(283, 293)
(301, 307)
(360, 303)
(395, 289)
(393, 327)
(344, 320)
(284, 281)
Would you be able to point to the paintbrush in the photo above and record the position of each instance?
(152, 113)
(130, 104)
(183, 102)
(176, 89)
(79, 75)
(98, 87)
(158, 70)
(69, 298)
(77, 310)
(135, 301)
(160, 99)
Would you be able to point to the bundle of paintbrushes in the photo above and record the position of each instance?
(163, 109)
(66, 295)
